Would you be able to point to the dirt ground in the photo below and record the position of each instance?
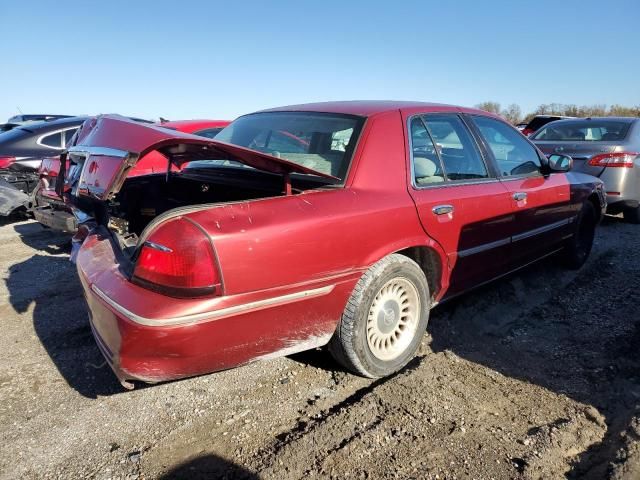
(533, 376)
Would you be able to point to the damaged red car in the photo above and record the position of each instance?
(54, 208)
(337, 223)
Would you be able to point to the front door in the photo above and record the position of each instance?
(543, 213)
(461, 204)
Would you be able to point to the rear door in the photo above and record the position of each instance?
(541, 204)
(461, 203)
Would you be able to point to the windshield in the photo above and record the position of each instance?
(320, 141)
(583, 130)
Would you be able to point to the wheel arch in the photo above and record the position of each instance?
(595, 200)
(431, 263)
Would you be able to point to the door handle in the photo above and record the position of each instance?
(442, 209)
(519, 196)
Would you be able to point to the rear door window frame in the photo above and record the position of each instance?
(447, 183)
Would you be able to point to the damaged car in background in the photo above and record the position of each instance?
(21, 152)
(337, 223)
(52, 205)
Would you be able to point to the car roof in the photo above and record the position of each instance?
(599, 119)
(51, 124)
(553, 116)
(367, 108)
(37, 116)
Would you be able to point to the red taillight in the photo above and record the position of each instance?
(617, 159)
(527, 131)
(177, 259)
(6, 162)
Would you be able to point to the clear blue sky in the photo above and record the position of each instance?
(207, 59)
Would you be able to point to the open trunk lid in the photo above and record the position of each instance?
(110, 146)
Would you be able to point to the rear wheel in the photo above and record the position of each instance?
(632, 215)
(579, 246)
(384, 320)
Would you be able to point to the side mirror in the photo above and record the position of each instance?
(560, 163)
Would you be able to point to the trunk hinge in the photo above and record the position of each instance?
(287, 183)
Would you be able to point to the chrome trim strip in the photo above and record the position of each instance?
(157, 246)
(213, 315)
(98, 151)
(539, 230)
(528, 234)
(453, 183)
(524, 176)
(486, 246)
(53, 132)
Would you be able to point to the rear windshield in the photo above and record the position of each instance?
(584, 131)
(320, 141)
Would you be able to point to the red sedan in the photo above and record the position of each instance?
(338, 223)
(51, 210)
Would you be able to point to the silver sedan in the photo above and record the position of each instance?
(608, 148)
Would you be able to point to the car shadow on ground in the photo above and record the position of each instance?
(43, 239)
(48, 284)
(15, 217)
(208, 467)
(578, 338)
(317, 358)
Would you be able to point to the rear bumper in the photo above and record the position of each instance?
(55, 219)
(622, 186)
(150, 337)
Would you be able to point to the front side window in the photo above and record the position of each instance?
(513, 153)
(320, 141)
(455, 148)
(54, 140)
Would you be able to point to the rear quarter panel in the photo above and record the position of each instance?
(321, 234)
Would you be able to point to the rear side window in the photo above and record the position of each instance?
(584, 131)
(456, 149)
(68, 135)
(513, 154)
(427, 168)
(54, 140)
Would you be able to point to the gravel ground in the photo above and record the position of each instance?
(533, 376)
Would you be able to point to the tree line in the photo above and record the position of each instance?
(513, 112)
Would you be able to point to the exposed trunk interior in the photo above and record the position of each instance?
(142, 199)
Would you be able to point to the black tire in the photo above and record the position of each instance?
(579, 246)
(350, 344)
(632, 215)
